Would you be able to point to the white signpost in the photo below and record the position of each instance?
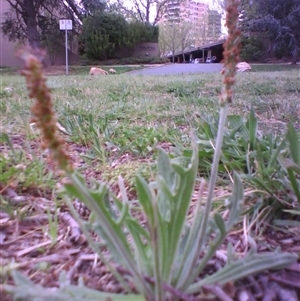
(66, 25)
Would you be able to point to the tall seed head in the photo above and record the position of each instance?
(42, 109)
(232, 48)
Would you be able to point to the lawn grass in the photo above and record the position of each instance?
(115, 123)
(120, 114)
(274, 67)
(74, 69)
(82, 70)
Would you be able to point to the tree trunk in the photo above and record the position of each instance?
(31, 23)
(148, 12)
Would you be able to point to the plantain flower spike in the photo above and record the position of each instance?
(42, 109)
(232, 48)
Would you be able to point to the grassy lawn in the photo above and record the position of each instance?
(274, 67)
(74, 70)
(81, 70)
(118, 124)
(113, 126)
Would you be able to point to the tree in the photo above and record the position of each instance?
(22, 21)
(278, 19)
(141, 10)
(185, 35)
(252, 49)
(49, 33)
(138, 32)
(103, 33)
(168, 39)
(201, 29)
(93, 6)
(214, 25)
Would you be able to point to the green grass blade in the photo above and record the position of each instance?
(250, 265)
(294, 143)
(252, 126)
(295, 183)
(25, 289)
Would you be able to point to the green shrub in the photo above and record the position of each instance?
(102, 34)
(105, 32)
(252, 49)
(143, 60)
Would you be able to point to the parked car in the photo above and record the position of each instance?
(210, 59)
(198, 60)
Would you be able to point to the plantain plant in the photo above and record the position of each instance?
(164, 258)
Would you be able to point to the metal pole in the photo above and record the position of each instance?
(67, 67)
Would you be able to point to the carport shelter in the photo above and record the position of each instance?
(214, 49)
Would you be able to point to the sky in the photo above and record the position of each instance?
(212, 4)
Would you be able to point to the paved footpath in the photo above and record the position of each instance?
(178, 69)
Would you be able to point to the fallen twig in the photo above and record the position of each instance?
(32, 248)
(74, 269)
(218, 292)
(285, 281)
(70, 221)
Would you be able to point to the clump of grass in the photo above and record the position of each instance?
(128, 171)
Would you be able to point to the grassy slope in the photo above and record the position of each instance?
(74, 70)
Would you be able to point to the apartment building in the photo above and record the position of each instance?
(187, 10)
(205, 23)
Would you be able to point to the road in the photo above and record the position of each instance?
(178, 69)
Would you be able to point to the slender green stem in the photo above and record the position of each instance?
(215, 165)
(212, 184)
(182, 277)
(155, 241)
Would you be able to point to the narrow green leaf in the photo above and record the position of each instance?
(179, 203)
(25, 289)
(252, 126)
(293, 140)
(260, 184)
(141, 242)
(236, 199)
(287, 223)
(210, 252)
(246, 266)
(220, 224)
(145, 198)
(110, 231)
(238, 125)
(7, 139)
(275, 154)
(123, 215)
(296, 212)
(295, 183)
(168, 175)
